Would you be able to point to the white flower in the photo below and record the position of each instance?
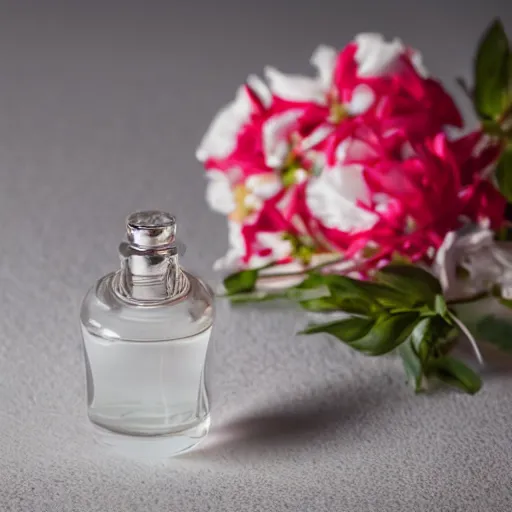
(473, 249)
(221, 137)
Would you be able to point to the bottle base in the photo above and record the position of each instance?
(160, 447)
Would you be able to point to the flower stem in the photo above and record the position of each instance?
(301, 272)
(469, 336)
(469, 300)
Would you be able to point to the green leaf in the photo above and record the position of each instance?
(350, 295)
(442, 309)
(491, 72)
(412, 365)
(372, 337)
(440, 305)
(504, 173)
(347, 330)
(359, 297)
(305, 294)
(497, 331)
(322, 304)
(243, 281)
(293, 294)
(378, 296)
(336, 301)
(388, 297)
(455, 373)
(389, 332)
(313, 280)
(254, 296)
(422, 337)
(421, 286)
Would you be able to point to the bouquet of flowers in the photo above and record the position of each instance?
(357, 190)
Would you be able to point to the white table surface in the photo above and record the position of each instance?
(101, 107)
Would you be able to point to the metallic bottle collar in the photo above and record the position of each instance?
(150, 271)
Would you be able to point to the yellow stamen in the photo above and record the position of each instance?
(241, 211)
(338, 112)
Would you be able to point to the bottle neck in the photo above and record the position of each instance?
(150, 276)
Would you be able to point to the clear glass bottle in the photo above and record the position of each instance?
(146, 330)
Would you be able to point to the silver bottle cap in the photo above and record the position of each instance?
(150, 271)
(151, 230)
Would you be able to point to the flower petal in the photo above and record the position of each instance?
(279, 248)
(276, 131)
(362, 99)
(295, 88)
(375, 56)
(219, 194)
(264, 186)
(233, 258)
(356, 150)
(474, 249)
(417, 62)
(333, 198)
(261, 89)
(324, 60)
(221, 137)
(317, 136)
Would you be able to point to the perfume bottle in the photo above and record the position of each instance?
(146, 330)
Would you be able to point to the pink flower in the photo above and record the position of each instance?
(414, 201)
(250, 248)
(233, 139)
(252, 169)
(353, 161)
(370, 80)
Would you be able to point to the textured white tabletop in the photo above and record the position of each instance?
(101, 107)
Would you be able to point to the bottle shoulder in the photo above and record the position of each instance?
(106, 315)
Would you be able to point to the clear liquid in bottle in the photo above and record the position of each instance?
(146, 329)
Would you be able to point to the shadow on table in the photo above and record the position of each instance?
(324, 413)
(295, 424)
